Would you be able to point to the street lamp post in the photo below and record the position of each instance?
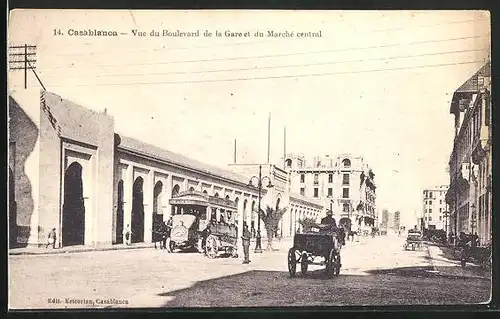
(260, 179)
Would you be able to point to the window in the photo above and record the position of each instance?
(330, 178)
(345, 179)
(316, 181)
(430, 202)
(440, 210)
(430, 210)
(345, 208)
(440, 218)
(430, 194)
(302, 191)
(345, 193)
(425, 218)
(330, 191)
(315, 192)
(430, 218)
(440, 201)
(302, 178)
(346, 163)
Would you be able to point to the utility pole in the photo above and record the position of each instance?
(23, 57)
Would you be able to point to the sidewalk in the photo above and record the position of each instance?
(451, 268)
(75, 249)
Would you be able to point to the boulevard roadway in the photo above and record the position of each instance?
(375, 271)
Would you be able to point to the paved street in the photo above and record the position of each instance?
(375, 272)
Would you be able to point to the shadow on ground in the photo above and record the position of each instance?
(397, 286)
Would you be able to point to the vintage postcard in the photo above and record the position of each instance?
(223, 158)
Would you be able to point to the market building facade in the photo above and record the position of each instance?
(469, 195)
(70, 171)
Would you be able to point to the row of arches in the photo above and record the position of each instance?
(137, 214)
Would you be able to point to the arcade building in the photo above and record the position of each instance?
(69, 170)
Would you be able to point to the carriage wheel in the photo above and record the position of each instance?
(330, 263)
(303, 264)
(211, 247)
(292, 262)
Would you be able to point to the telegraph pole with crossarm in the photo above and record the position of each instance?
(23, 57)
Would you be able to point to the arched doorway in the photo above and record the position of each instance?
(279, 229)
(191, 189)
(137, 223)
(157, 212)
(175, 191)
(245, 212)
(119, 214)
(12, 211)
(73, 219)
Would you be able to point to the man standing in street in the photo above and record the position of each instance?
(245, 238)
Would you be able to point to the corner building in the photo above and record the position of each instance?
(343, 183)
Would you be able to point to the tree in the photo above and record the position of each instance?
(307, 223)
(271, 218)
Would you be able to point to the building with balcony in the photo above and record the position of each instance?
(434, 208)
(469, 195)
(343, 183)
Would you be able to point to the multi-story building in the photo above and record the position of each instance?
(344, 184)
(384, 224)
(434, 208)
(469, 195)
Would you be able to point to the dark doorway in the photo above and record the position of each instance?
(157, 212)
(119, 214)
(12, 211)
(137, 226)
(175, 191)
(73, 221)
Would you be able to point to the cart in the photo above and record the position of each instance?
(313, 244)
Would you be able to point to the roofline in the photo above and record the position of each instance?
(192, 169)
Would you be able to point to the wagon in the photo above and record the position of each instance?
(309, 246)
(204, 222)
(413, 241)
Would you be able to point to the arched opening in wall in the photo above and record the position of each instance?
(191, 188)
(288, 163)
(216, 195)
(346, 163)
(279, 229)
(137, 223)
(227, 197)
(205, 192)
(12, 211)
(73, 219)
(237, 214)
(252, 218)
(245, 202)
(119, 214)
(157, 212)
(175, 191)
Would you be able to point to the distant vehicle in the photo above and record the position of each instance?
(204, 222)
(414, 240)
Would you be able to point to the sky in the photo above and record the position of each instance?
(376, 84)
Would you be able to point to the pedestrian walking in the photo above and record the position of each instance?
(51, 240)
(245, 238)
(127, 233)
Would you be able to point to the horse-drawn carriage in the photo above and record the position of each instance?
(204, 222)
(321, 241)
(414, 240)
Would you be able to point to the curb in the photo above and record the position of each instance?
(83, 250)
(440, 274)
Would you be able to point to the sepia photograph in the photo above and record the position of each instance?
(176, 159)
